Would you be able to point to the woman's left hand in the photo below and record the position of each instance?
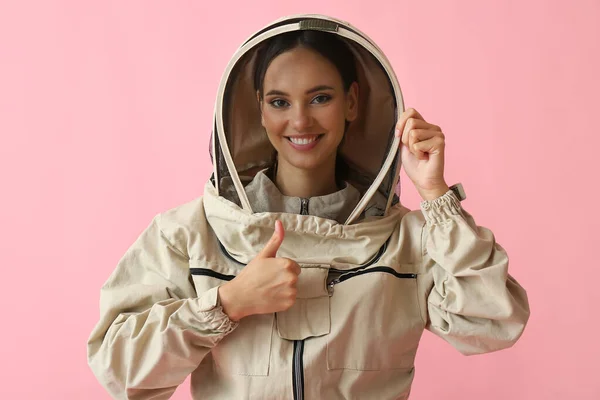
(422, 149)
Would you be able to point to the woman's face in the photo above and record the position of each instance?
(305, 107)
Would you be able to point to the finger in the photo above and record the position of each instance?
(290, 265)
(411, 119)
(425, 148)
(418, 135)
(414, 124)
(295, 268)
(270, 249)
(404, 117)
(417, 124)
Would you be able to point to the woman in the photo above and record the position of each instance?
(299, 274)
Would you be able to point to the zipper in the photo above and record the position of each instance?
(297, 361)
(224, 251)
(352, 274)
(210, 272)
(298, 370)
(303, 206)
(376, 258)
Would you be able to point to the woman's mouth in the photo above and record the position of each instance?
(305, 142)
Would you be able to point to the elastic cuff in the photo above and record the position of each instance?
(441, 209)
(214, 314)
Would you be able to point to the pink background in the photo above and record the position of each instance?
(105, 113)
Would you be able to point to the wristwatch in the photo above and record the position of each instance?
(459, 191)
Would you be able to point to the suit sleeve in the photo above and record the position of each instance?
(153, 330)
(474, 303)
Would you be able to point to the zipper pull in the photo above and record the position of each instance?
(331, 285)
(304, 206)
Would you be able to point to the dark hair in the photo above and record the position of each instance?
(327, 45)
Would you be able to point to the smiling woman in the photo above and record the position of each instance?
(299, 274)
(306, 85)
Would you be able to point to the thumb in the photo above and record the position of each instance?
(270, 249)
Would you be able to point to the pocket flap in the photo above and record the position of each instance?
(312, 281)
(309, 316)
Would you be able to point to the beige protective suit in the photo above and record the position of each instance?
(374, 274)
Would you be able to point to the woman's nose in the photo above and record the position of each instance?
(301, 119)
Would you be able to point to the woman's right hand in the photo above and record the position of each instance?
(266, 285)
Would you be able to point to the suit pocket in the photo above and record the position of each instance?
(309, 316)
(376, 320)
(246, 350)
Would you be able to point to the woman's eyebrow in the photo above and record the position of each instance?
(318, 89)
(309, 91)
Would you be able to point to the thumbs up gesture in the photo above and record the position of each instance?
(266, 285)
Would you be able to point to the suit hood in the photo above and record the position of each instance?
(240, 147)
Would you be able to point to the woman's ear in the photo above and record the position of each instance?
(352, 102)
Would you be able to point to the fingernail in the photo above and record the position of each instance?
(397, 131)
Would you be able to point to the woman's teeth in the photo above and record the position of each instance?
(303, 141)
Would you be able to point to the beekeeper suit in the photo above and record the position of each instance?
(374, 275)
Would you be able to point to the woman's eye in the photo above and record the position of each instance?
(278, 103)
(322, 98)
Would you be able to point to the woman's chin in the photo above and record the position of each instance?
(305, 163)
